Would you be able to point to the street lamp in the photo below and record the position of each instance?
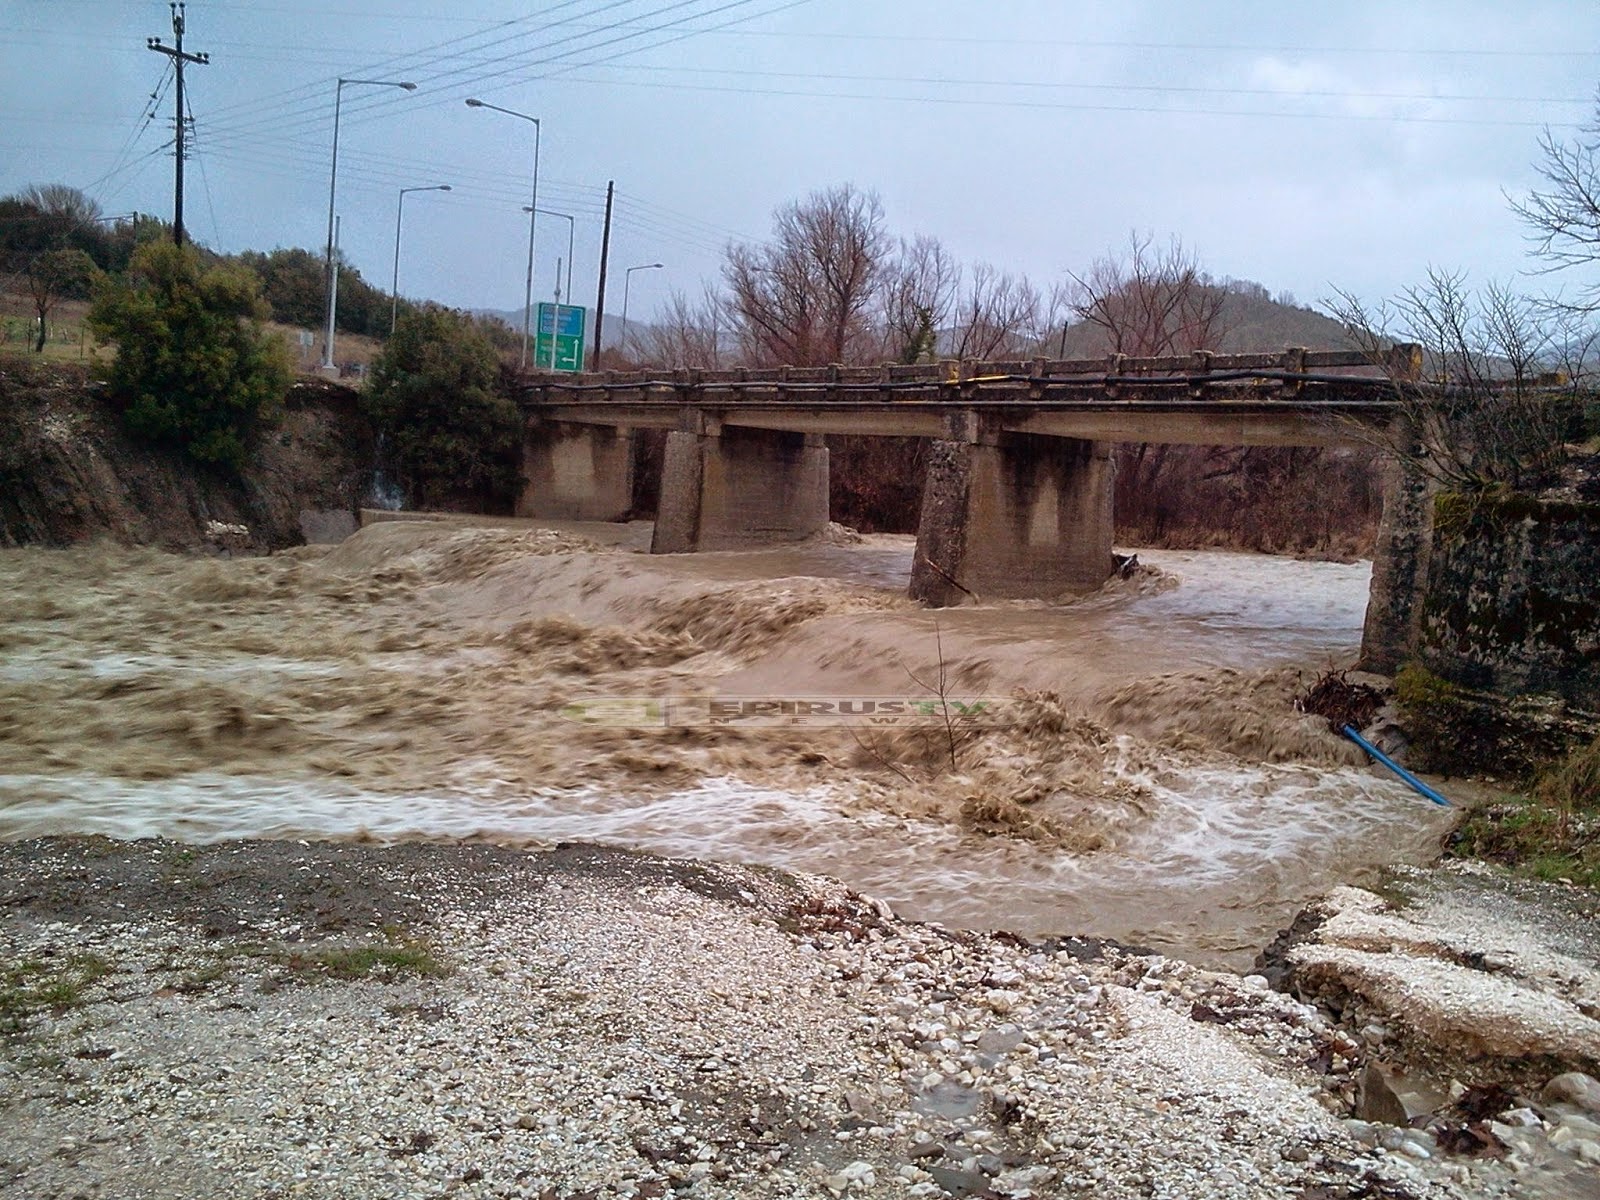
(333, 182)
(533, 218)
(394, 287)
(572, 224)
(627, 280)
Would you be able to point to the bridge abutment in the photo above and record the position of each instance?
(1011, 516)
(731, 488)
(576, 472)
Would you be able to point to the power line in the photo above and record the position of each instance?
(1067, 85)
(295, 100)
(1388, 50)
(205, 180)
(977, 102)
(135, 170)
(471, 76)
(1183, 47)
(147, 114)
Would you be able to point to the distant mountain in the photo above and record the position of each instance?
(1253, 321)
(613, 329)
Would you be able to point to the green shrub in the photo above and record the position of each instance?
(453, 437)
(194, 367)
(1553, 832)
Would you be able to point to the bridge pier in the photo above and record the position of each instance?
(731, 488)
(1012, 516)
(1401, 556)
(576, 472)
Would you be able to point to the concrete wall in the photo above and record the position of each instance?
(725, 488)
(1513, 598)
(576, 472)
(1007, 516)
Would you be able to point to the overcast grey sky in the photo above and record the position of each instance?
(1304, 146)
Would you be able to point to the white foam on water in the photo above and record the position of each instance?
(1256, 841)
(133, 666)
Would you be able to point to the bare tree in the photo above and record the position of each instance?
(1151, 301)
(58, 200)
(1563, 218)
(998, 316)
(806, 297)
(49, 278)
(688, 333)
(1492, 398)
(918, 294)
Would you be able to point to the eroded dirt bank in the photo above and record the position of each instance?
(69, 472)
(275, 1019)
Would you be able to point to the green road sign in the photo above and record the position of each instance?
(560, 343)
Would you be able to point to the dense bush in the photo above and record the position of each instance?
(295, 285)
(194, 368)
(52, 216)
(453, 437)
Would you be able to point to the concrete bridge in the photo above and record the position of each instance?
(1018, 497)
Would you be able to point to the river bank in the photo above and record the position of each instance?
(284, 1018)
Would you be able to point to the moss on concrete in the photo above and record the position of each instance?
(1511, 604)
(1457, 730)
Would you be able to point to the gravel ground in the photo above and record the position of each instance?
(287, 1019)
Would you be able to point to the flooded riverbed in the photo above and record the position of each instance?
(421, 679)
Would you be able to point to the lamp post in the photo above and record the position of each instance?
(572, 225)
(333, 183)
(627, 280)
(533, 216)
(394, 287)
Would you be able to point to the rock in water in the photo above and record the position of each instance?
(1575, 1088)
(1377, 1101)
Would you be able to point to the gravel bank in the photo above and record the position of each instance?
(289, 1019)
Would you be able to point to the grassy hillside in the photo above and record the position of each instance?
(69, 341)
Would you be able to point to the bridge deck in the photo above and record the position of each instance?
(1296, 398)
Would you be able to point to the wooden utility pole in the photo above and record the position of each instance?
(179, 60)
(605, 253)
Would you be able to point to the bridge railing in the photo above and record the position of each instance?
(1284, 373)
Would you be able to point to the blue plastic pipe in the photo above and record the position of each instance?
(1407, 776)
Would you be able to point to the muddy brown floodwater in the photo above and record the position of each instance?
(426, 680)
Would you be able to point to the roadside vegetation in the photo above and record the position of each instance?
(32, 987)
(197, 350)
(1550, 830)
(194, 367)
(57, 246)
(453, 434)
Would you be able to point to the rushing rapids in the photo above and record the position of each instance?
(440, 680)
